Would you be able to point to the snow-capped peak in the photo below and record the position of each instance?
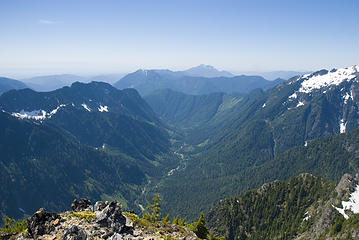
(333, 77)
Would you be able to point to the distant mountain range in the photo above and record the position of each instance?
(192, 81)
(108, 78)
(200, 77)
(7, 84)
(52, 82)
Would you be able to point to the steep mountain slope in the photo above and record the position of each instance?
(292, 116)
(266, 125)
(147, 81)
(274, 211)
(97, 114)
(41, 166)
(297, 114)
(7, 84)
(89, 140)
(196, 117)
(189, 111)
(305, 207)
(330, 157)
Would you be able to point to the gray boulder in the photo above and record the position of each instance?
(41, 223)
(100, 205)
(109, 215)
(74, 233)
(81, 205)
(116, 236)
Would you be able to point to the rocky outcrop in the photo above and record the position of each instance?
(42, 222)
(325, 215)
(74, 233)
(81, 205)
(109, 215)
(346, 185)
(104, 220)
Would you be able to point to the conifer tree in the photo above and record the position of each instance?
(199, 228)
(175, 221)
(166, 219)
(155, 209)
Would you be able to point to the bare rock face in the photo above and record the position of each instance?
(325, 214)
(100, 205)
(116, 236)
(264, 188)
(81, 205)
(41, 223)
(109, 215)
(346, 185)
(74, 233)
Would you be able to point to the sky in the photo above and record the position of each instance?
(107, 36)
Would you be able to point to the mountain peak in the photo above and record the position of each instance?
(325, 78)
(204, 70)
(205, 66)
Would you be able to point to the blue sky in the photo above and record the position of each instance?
(108, 36)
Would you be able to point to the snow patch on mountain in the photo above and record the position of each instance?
(103, 108)
(300, 104)
(351, 205)
(294, 95)
(346, 98)
(86, 107)
(36, 114)
(342, 126)
(334, 77)
(56, 109)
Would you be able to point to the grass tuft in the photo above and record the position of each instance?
(89, 216)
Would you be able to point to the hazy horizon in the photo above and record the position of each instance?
(43, 37)
(27, 76)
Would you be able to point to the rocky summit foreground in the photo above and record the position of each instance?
(104, 220)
